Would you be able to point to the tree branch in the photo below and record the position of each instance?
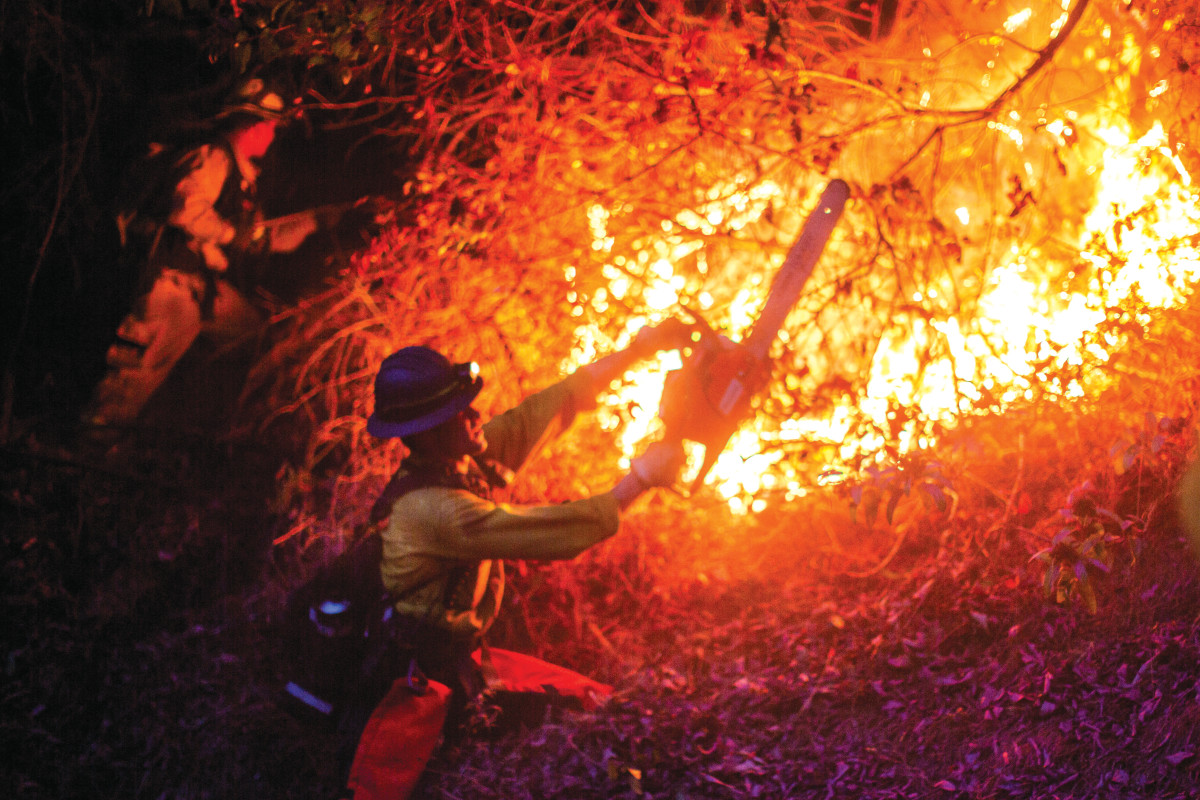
(1045, 56)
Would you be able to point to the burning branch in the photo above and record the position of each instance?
(991, 110)
(1045, 56)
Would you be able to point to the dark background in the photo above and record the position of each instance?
(86, 91)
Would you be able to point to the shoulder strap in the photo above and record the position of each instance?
(414, 474)
(399, 485)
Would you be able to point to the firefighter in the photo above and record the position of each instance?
(196, 241)
(445, 539)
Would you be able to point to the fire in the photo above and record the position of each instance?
(1128, 189)
(1023, 319)
(1034, 313)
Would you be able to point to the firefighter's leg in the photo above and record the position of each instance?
(150, 340)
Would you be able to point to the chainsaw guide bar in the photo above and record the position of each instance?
(706, 400)
(797, 268)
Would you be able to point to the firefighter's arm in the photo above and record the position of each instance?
(521, 431)
(288, 233)
(195, 200)
(517, 433)
(460, 525)
(672, 334)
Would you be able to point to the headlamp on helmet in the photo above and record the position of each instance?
(417, 389)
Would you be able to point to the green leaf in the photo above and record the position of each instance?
(1089, 597)
(241, 56)
(1052, 573)
(893, 501)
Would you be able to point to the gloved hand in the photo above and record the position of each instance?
(290, 232)
(671, 334)
(659, 465)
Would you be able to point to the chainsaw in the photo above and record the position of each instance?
(706, 400)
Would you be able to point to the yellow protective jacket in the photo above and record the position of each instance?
(443, 547)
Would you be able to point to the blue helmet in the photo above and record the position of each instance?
(417, 389)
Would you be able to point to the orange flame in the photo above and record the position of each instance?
(1023, 319)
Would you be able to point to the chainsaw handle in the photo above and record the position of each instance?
(708, 336)
(712, 451)
(706, 399)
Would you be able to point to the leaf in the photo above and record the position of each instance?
(1052, 573)
(241, 56)
(1060, 537)
(870, 508)
(891, 506)
(935, 493)
(635, 780)
(1089, 596)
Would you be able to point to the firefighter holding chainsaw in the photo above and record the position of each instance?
(445, 538)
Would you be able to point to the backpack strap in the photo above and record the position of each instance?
(480, 480)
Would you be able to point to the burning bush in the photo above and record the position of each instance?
(1022, 203)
